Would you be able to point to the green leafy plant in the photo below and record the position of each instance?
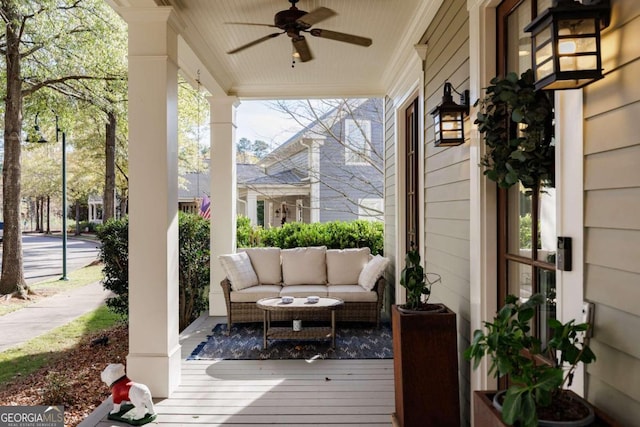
(333, 235)
(513, 351)
(57, 390)
(416, 281)
(193, 272)
(516, 121)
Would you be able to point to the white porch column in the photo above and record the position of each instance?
(154, 350)
(223, 193)
(314, 177)
(252, 207)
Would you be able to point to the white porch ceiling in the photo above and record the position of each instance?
(264, 71)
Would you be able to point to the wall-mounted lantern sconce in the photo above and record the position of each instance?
(448, 118)
(565, 43)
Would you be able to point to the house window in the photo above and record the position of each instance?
(526, 221)
(357, 141)
(371, 209)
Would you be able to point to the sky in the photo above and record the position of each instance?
(256, 120)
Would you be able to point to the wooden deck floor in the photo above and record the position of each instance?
(276, 392)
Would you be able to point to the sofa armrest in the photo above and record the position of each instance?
(226, 290)
(379, 287)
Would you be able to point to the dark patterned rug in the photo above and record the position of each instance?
(245, 343)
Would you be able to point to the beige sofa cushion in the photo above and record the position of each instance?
(304, 266)
(301, 291)
(352, 293)
(239, 270)
(254, 293)
(372, 271)
(266, 263)
(344, 265)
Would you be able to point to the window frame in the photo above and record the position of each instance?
(360, 153)
(505, 257)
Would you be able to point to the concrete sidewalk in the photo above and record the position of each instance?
(36, 319)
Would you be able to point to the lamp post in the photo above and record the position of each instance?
(64, 189)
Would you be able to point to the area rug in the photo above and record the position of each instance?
(245, 343)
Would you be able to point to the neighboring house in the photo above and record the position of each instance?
(330, 170)
(436, 196)
(193, 186)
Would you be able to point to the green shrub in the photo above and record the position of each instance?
(194, 254)
(114, 254)
(57, 390)
(194, 267)
(333, 235)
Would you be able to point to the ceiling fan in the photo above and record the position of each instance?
(294, 21)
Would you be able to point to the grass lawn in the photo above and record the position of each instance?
(42, 350)
(77, 278)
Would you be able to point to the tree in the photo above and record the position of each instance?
(49, 48)
(260, 148)
(326, 119)
(193, 119)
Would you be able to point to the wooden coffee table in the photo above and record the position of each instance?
(269, 305)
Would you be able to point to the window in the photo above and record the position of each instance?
(371, 209)
(357, 141)
(526, 221)
(412, 162)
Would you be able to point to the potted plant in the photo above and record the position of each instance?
(536, 395)
(516, 122)
(425, 355)
(417, 284)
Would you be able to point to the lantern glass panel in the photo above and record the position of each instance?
(576, 27)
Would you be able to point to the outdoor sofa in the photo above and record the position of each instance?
(352, 275)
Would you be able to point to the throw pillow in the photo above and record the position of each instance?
(266, 263)
(304, 266)
(344, 265)
(239, 270)
(372, 271)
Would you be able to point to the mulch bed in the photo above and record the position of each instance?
(73, 378)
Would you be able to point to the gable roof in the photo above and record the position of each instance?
(314, 130)
(251, 174)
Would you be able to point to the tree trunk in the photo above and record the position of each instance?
(77, 218)
(108, 201)
(41, 203)
(38, 229)
(12, 279)
(48, 231)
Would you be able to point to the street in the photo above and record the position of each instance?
(42, 256)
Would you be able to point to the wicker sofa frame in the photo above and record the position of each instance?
(248, 312)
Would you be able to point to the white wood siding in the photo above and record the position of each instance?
(390, 208)
(612, 234)
(447, 173)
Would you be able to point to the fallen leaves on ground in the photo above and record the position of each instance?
(73, 378)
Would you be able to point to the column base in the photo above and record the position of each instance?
(217, 305)
(161, 373)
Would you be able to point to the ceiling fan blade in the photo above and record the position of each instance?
(250, 23)
(341, 37)
(301, 46)
(315, 16)
(255, 42)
